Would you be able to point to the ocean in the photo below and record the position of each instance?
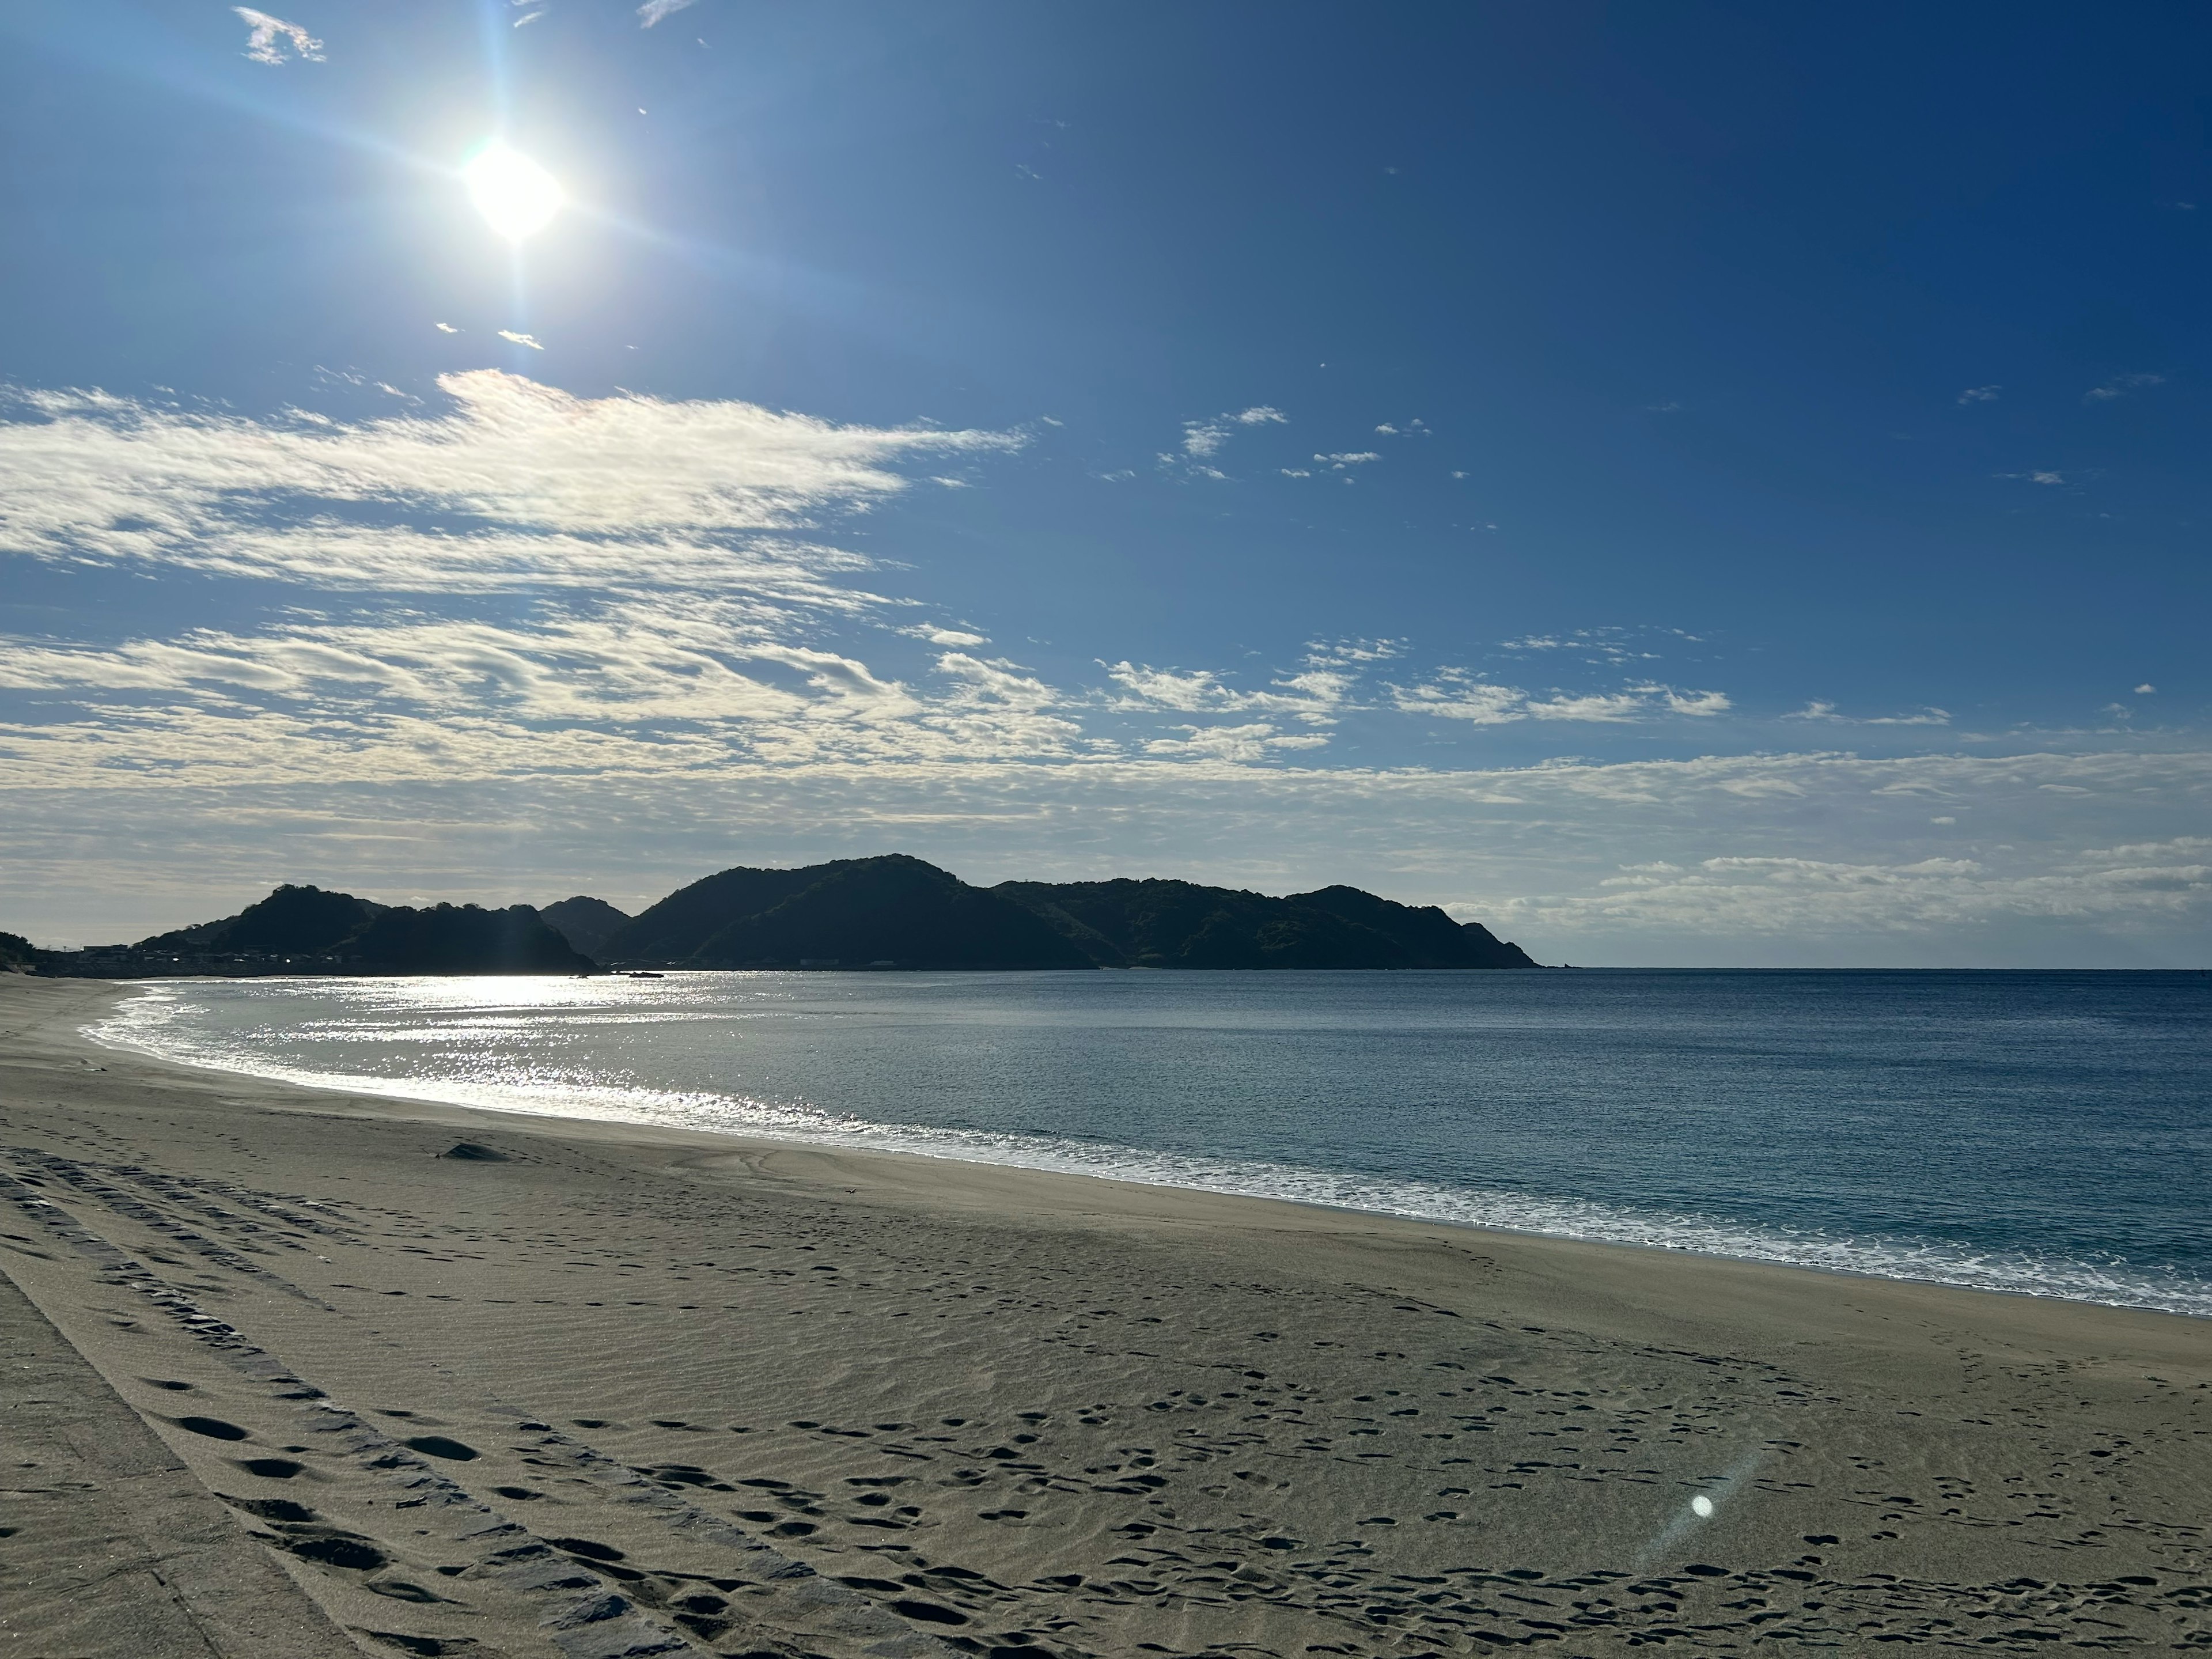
(2044, 1133)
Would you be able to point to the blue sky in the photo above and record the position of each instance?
(1682, 484)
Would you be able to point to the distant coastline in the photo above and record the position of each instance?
(883, 913)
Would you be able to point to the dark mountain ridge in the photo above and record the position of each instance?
(1179, 924)
(587, 923)
(897, 911)
(311, 930)
(891, 911)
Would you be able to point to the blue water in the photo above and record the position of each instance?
(2049, 1133)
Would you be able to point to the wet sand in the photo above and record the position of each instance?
(287, 1376)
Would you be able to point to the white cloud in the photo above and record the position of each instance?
(2119, 385)
(1980, 394)
(530, 340)
(1356, 458)
(1614, 646)
(1240, 744)
(1458, 695)
(1201, 438)
(1322, 687)
(263, 33)
(1826, 711)
(1313, 695)
(528, 17)
(2145, 689)
(653, 10)
(91, 477)
(950, 636)
(1455, 694)
(446, 328)
(2041, 477)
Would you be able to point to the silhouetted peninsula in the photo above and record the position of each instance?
(891, 911)
(1179, 924)
(311, 930)
(898, 912)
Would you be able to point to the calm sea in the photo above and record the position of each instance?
(2042, 1133)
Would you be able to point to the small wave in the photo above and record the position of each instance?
(157, 1024)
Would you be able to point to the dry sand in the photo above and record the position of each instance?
(284, 1381)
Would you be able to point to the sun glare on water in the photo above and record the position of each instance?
(516, 195)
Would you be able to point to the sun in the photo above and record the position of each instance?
(517, 198)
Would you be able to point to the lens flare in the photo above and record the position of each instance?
(516, 196)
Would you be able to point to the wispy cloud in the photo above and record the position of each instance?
(265, 32)
(1241, 744)
(1457, 694)
(653, 10)
(1203, 439)
(1980, 394)
(529, 340)
(510, 464)
(2120, 386)
(1606, 645)
(2040, 476)
(1827, 711)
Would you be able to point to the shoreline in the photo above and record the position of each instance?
(858, 1144)
(779, 1398)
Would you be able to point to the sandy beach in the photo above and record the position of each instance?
(294, 1372)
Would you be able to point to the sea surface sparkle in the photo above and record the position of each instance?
(2047, 1134)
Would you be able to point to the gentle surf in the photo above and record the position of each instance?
(2043, 1133)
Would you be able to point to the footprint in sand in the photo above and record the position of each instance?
(589, 1549)
(213, 1427)
(341, 1550)
(436, 1445)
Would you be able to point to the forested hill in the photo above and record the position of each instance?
(1179, 924)
(896, 911)
(891, 911)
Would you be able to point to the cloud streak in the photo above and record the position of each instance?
(2120, 386)
(1463, 696)
(86, 475)
(264, 32)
